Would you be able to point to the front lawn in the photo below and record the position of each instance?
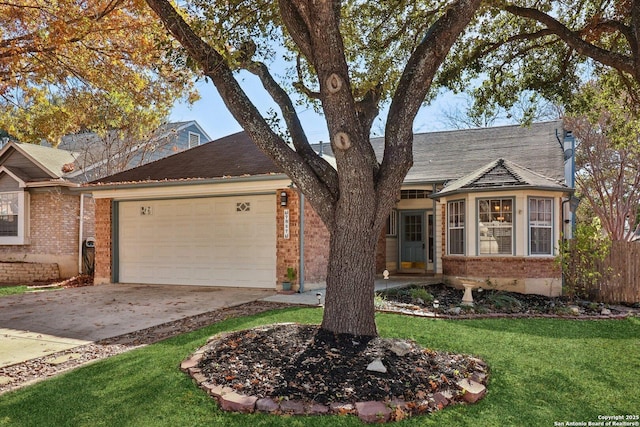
(543, 371)
(13, 290)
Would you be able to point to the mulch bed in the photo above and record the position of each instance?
(490, 303)
(303, 362)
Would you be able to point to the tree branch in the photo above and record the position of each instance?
(572, 39)
(412, 89)
(323, 170)
(243, 110)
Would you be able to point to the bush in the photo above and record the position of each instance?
(420, 293)
(579, 259)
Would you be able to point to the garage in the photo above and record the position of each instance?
(209, 241)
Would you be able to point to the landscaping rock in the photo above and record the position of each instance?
(377, 366)
(373, 412)
(401, 348)
(473, 391)
(317, 409)
(454, 310)
(440, 400)
(605, 312)
(575, 310)
(342, 408)
(267, 405)
(237, 402)
(192, 362)
(294, 407)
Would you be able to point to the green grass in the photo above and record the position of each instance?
(543, 371)
(13, 290)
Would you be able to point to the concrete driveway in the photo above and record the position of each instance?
(36, 324)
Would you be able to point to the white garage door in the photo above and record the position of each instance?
(223, 241)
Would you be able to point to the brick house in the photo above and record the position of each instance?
(45, 217)
(484, 204)
(41, 218)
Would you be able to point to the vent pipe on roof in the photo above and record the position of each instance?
(320, 150)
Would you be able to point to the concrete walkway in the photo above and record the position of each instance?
(38, 324)
(310, 297)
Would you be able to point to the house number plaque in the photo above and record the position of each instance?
(286, 224)
(145, 210)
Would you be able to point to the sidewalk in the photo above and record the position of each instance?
(310, 297)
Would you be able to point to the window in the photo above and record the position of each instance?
(194, 139)
(414, 194)
(9, 214)
(495, 226)
(392, 224)
(456, 227)
(540, 226)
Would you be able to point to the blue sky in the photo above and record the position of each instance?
(211, 113)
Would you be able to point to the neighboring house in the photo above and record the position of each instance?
(102, 155)
(40, 217)
(485, 204)
(46, 221)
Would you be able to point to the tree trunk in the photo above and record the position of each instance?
(349, 305)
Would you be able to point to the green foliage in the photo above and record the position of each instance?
(13, 290)
(420, 293)
(291, 274)
(580, 257)
(505, 302)
(503, 56)
(577, 374)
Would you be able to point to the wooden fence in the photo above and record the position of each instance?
(620, 274)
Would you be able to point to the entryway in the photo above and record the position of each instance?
(416, 241)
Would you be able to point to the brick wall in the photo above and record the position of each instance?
(103, 215)
(25, 272)
(53, 224)
(287, 250)
(316, 246)
(498, 267)
(89, 226)
(53, 232)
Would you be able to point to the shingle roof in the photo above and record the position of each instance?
(51, 159)
(232, 156)
(501, 174)
(447, 155)
(438, 156)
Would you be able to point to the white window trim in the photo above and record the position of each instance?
(552, 227)
(464, 228)
(513, 227)
(393, 223)
(23, 221)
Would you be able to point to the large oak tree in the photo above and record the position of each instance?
(354, 200)
(350, 58)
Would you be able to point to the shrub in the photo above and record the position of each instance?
(421, 293)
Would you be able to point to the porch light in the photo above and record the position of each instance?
(284, 198)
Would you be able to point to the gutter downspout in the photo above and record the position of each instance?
(301, 241)
(80, 233)
(434, 231)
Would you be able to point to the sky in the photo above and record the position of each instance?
(213, 116)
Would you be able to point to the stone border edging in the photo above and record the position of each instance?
(469, 390)
(431, 315)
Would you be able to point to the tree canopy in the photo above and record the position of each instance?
(68, 65)
(546, 49)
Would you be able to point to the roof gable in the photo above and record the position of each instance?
(498, 175)
(443, 156)
(34, 162)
